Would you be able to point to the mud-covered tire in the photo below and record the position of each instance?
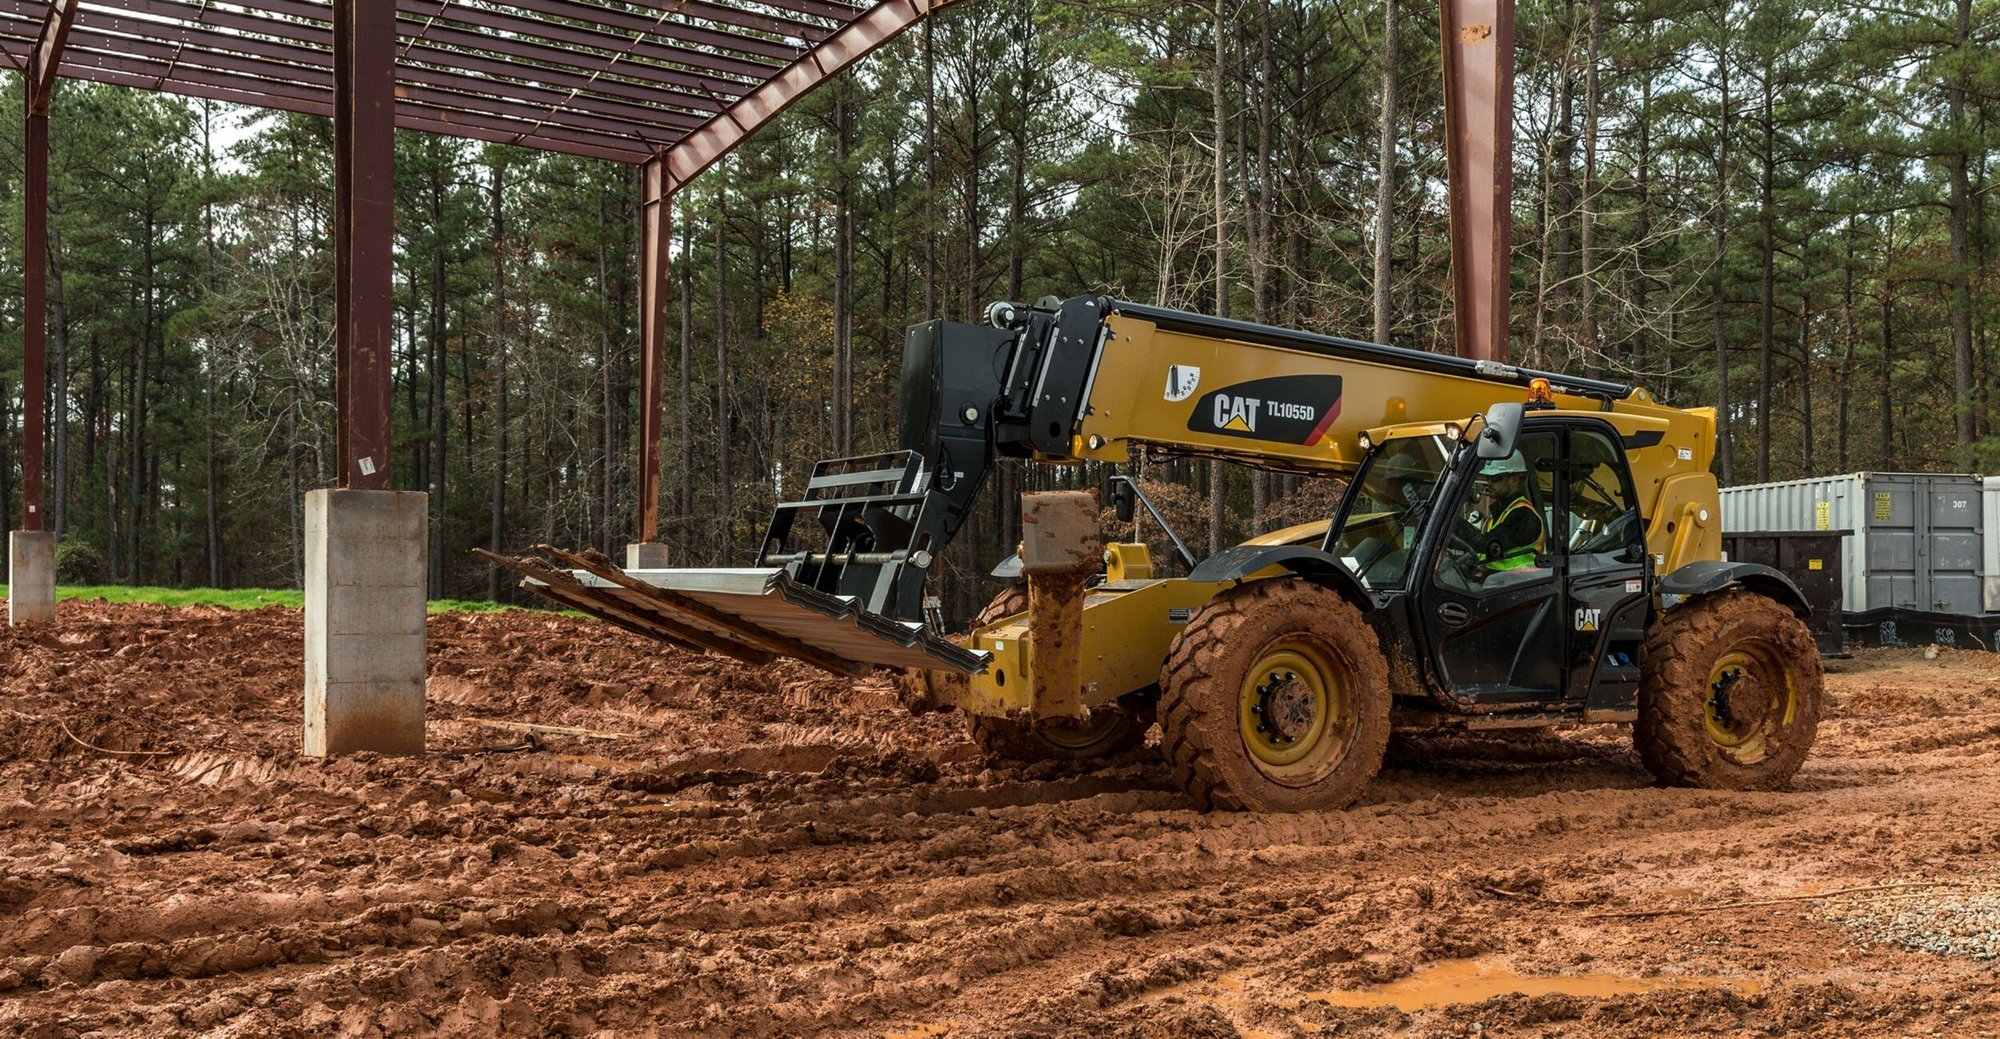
(1730, 694)
(1109, 730)
(1281, 643)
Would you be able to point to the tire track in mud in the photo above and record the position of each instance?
(788, 854)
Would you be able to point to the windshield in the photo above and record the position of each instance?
(1379, 526)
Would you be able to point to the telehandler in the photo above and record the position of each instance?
(1513, 549)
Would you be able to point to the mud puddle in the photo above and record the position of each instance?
(1475, 981)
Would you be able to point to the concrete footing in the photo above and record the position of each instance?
(366, 560)
(646, 555)
(31, 577)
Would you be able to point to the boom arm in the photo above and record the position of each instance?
(1091, 378)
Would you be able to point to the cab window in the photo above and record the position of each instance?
(1378, 528)
(1603, 518)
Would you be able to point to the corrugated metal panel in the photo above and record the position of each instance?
(1917, 541)
(769, 600)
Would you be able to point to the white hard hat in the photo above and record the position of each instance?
(1511, 465)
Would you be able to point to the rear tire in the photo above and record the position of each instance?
(1109, 730)
(1729, 695)
(1275, 698)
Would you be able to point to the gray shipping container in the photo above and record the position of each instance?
(1914, 541)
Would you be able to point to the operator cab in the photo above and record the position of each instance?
(1515, 566)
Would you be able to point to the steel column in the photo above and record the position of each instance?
(1478, 41)
(364, 163)
(34, 314)
(39, 85)
(656, 231)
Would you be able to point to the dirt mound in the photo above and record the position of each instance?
(686, 846)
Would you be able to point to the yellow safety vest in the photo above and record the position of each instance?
(1523, 556)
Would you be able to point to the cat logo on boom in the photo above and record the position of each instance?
(1288, 409)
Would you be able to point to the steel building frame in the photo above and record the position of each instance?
(669, 85)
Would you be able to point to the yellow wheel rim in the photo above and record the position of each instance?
(1752, 697)
(1294, 713)
(1079, 733)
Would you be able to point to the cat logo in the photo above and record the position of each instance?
(1181, 381)
(1237, 413)
(1286, 409)
(1587, 620)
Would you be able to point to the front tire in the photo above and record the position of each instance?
(1730, 694)
(1110, 729)
(1275, 698)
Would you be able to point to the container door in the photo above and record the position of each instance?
(1989, 507)
(1952, 547)
(1889, 514)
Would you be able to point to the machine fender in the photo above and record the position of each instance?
(1705, 576)
(1009, 569)
(1307, 561)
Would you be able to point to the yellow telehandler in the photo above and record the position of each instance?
(1513, 549)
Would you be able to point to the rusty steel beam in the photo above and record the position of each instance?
(839, 11)
(364, 165)
(566, 77)
(255, 94)
(34, 311)
(44, 60)
(720, 14)
(857, 39)
(195, 81)
(47, 56)
(674, 166)
(283, 59)
(1478, 43)
(663, 26)
(443, 97)
(599, 45)
(656, 233)
(523, 47)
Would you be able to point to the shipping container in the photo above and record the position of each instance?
(1914, 540)
(1812, 559)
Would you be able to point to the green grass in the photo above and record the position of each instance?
(232, 598)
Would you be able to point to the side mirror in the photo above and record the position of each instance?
(1497, 434)
(1122, 500)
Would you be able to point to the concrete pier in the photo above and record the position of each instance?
(31, 577)
(366, 560)
(646, 555)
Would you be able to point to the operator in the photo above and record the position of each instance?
(1513, 533)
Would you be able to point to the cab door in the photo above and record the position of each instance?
(1492, 602)
(1604, 548)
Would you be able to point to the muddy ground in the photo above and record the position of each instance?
(780, 853)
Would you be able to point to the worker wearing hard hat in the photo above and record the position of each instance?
(1513, 532)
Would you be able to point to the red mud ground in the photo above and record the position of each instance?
(779, 853)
